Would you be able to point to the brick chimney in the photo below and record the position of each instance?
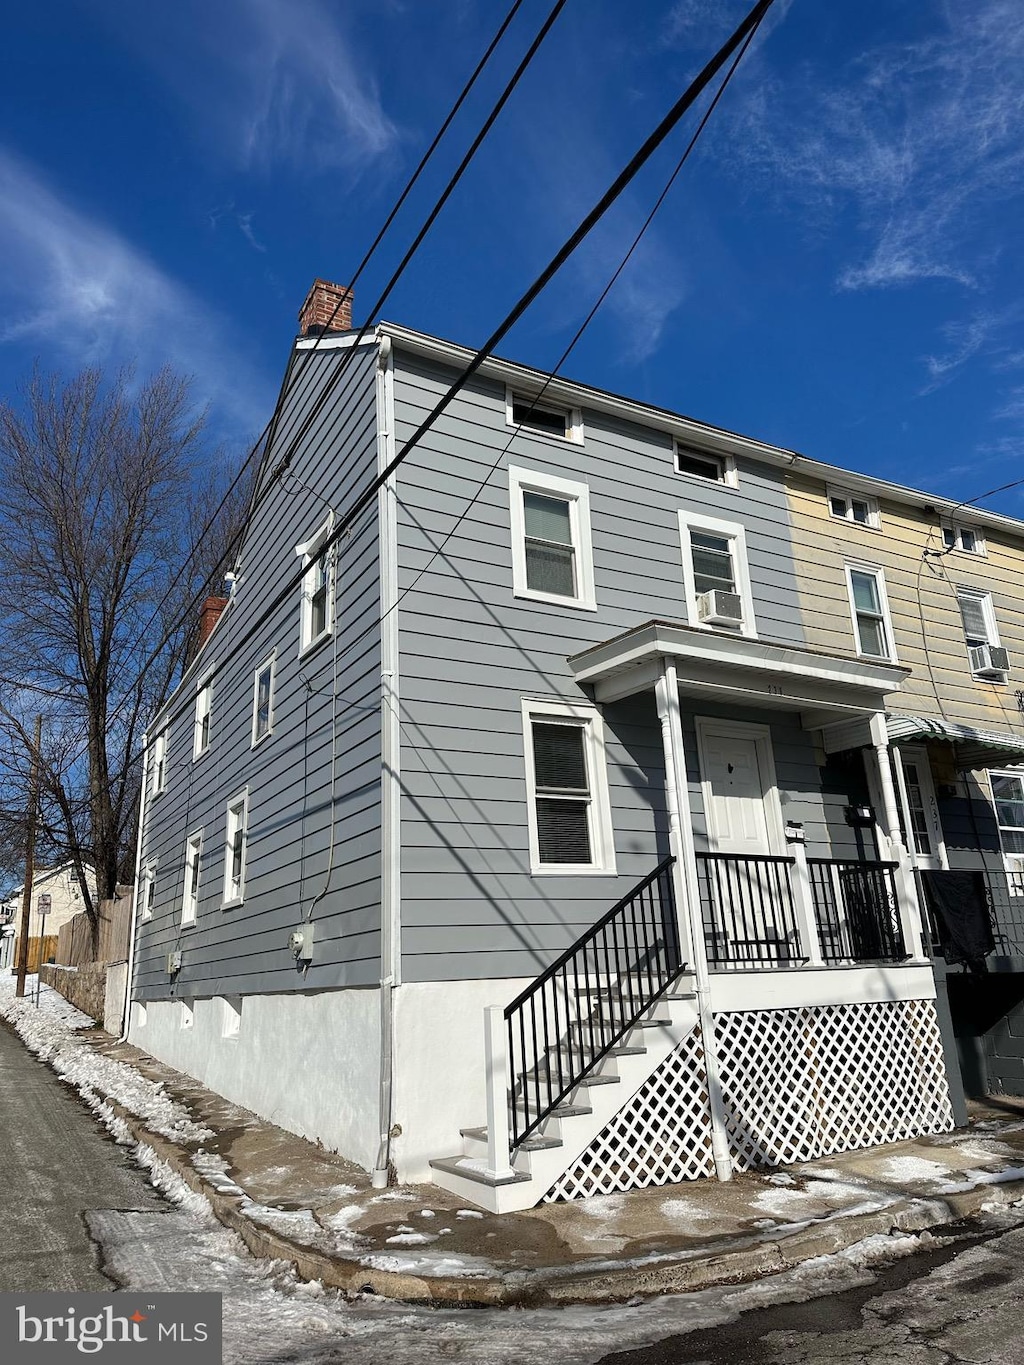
(321, 301)
(208, 618)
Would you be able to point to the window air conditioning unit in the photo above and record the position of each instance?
(719, 608)
(989, 661)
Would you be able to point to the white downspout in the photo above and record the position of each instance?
(133, 920)
(678, 797)
(391, 752)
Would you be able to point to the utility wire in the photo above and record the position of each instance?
(417, 241)
(738, 42)
(305, 357)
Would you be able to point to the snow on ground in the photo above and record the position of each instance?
(51, 1032)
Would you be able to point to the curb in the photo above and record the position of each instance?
(563, 1285)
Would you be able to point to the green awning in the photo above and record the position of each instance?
(973, 748)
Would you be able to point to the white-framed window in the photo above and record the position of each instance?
(702, 464)
(856, 507)
(988, 660)
(317, 609)
(869, 609)
(570, 821)
(234, 849)
(963, 538)
(148, 890)
(552, 554)
(263, 700)
(204, 716)
(190, 894)
(543, 416)
(160, 743)
(716, 579)
(1008, 804)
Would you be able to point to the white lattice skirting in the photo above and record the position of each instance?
(797, 1084)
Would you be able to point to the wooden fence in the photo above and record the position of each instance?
(75, 943)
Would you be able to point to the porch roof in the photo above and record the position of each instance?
(972, 748)
(711, 664)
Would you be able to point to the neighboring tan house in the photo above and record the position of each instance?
(494, 841)
(905, 577)
(56, 898)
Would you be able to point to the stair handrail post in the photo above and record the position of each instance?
(677, 794)
(803, 903)
(496, 1066)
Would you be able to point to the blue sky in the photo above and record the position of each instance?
(837, 271)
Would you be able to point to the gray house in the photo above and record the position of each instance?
(494, 841)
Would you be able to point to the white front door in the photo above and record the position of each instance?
(737, 790)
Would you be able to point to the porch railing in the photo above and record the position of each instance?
(857, 910)
(748, 910)
(1004, 901)
(566, 1021)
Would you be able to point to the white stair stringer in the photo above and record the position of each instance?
(560, 1141)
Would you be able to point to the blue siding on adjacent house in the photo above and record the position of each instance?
(470, 652)
(331, 693)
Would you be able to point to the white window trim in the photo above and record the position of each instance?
(851, 567)
(228, 896)
(874, 521)
(730, 475)
(204, 693)
(574, 416)
(602, 840)
(148, 882)
(309, 552)
(1013, 863)
(193, 854)
(980, 550)
(730, 530)
(270, 663)
(522, 481)
(161, 750)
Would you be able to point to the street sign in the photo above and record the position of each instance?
(44, 903)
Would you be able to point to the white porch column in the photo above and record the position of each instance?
(803, 902)
(691, 927)
(496, 1063)
(910, 909)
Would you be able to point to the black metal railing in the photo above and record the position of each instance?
(566, 1021)
(857, 910)
(748, 910)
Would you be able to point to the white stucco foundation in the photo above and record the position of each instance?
(309, 1063)
(439, 1082)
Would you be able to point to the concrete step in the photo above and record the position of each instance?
(474, 1169)
(477, 1138)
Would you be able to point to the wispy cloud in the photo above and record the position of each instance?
(270, 83)
(74, 286)
(920, 139)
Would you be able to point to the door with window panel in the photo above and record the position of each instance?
(921, 811)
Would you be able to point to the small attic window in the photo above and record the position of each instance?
(845, 506)
(701, 464)
(545, 418)
(963, 538)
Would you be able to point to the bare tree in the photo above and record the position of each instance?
(104, 487)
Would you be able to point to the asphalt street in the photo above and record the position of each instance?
(962, 1303)
(56, 1166)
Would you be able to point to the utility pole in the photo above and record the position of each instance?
(30, 857)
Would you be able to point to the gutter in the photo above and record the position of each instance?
(391, 755)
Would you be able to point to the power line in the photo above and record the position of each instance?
(737, 42)
(335, 379)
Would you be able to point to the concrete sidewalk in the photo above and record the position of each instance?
(290, 1200)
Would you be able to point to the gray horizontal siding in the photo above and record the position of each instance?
(332, 690)
(470, 652)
